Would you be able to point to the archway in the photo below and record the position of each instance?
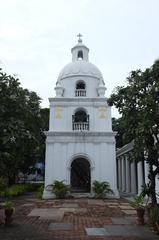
(80, 175)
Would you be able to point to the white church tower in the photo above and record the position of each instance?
(80, 144)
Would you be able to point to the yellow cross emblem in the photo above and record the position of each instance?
(102, 112)
(58, 111)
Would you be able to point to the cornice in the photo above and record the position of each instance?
(81, 134)
(80, 137)
(77, 99)
(125, 149)
(67, 102)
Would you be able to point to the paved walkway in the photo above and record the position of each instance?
(77, 219)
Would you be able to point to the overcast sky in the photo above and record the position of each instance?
(36, 37)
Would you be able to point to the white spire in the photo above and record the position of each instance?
(80, 51)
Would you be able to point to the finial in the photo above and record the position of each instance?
(79, 36)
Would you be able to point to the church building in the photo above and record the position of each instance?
(80, 143)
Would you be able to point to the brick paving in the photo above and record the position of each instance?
(80, 214)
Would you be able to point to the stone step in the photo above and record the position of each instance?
(81, 195)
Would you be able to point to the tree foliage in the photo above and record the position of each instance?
(21, 127)
(138, 103)
(119, 126)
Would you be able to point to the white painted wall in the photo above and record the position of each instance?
(99, 121)
(69, 85)
(61, 150)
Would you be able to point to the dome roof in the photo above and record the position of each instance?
(80, 68)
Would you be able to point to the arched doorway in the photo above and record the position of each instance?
(80, 175)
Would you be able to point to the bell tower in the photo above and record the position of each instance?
(80, 144)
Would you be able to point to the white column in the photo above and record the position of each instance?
(146, 166)
(119, 173)
(123, 174)
(127, 174)
(133, 178)
(140, 176)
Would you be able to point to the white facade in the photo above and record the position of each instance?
(80, 144)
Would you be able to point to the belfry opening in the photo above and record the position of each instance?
(80, 175)
(80, 55)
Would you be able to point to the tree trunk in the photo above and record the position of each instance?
(153, 194)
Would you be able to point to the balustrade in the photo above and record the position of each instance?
(80, 93)
(84, 126)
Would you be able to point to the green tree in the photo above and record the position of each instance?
(21, 135)
(118, 125)
(44, 126)
(138, 103)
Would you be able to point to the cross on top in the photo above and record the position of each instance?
(79, 36)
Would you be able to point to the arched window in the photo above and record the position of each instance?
(80, 55)
(80, 116)
(80, 120)
(80, 89)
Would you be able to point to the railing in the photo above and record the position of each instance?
(80, 126)
(80, 93)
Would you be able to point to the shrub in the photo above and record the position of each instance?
(15, 190)
(101, 189)
(18, 189)
(59, 188)
(40, 191)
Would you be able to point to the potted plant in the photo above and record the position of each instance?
(59, 188)
(9, 210)
(101, 189)
(138, 205)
